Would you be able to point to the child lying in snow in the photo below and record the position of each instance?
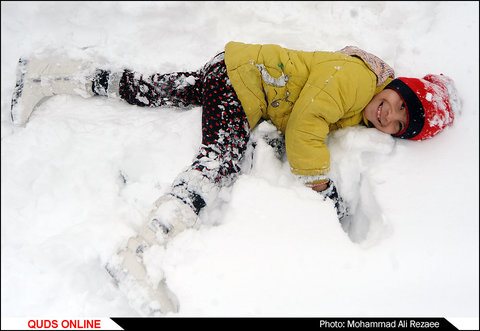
(304, 94)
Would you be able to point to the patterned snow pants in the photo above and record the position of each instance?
(225, 129)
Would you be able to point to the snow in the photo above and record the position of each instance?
(279, 82)
(81, 177)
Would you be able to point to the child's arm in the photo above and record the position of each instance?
(306, 134)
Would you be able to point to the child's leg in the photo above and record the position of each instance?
(38, 79)
(179, 89)
(225, 136)
(225, 133)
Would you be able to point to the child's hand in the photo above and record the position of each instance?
(319, 186)
(328, 190)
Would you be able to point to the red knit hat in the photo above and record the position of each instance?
(430, 103)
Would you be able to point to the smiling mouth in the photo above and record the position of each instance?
(378, 112)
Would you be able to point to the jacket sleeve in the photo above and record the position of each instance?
(306, 134)
(325, 99)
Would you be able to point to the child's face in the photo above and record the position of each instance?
(387, 112)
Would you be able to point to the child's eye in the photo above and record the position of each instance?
(403, 106)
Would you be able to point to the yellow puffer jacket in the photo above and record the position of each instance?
(305, 94)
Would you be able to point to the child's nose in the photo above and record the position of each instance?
(389, 115)
(393, 115)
